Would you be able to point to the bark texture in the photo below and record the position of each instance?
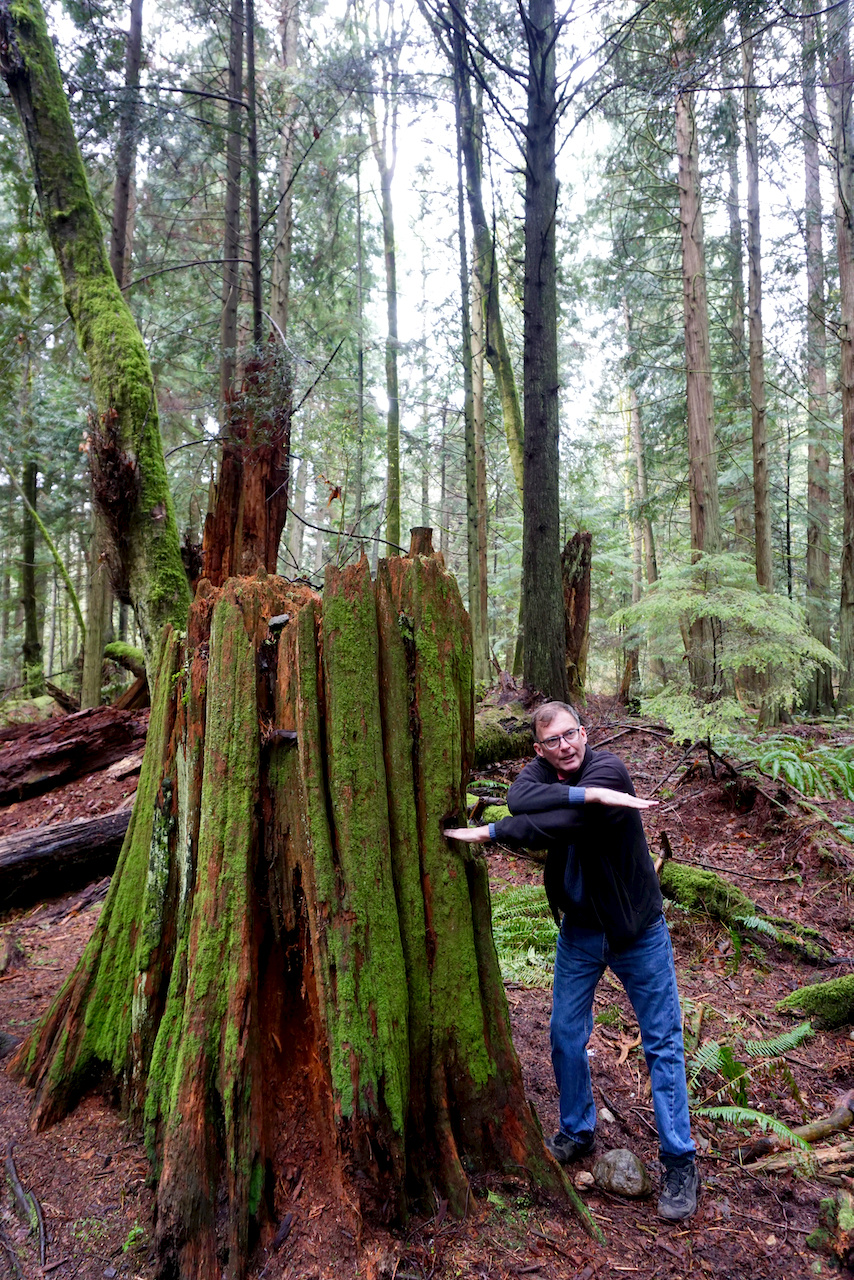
(290, 947)
(702, 450)
(841, 99)
(249, 502)
(575, 563)
(758, 412)
(542, 596)
(820, 687)
(126, 453)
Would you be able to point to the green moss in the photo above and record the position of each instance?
(121, 377)
(831, 1003)
(704, 891)
(126, 655)
(256, 1186)
(369, 1025)
(502, 733)
(494, 813)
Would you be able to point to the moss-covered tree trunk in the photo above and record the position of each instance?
(126, 454)
(291, 957)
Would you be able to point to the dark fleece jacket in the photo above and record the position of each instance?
(598, 868)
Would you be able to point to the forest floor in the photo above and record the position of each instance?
(89, 1171)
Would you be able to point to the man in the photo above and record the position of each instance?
(580, 805)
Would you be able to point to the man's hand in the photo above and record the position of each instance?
(469, 835)
(617, 799)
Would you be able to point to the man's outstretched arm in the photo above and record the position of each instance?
(535, 830)
(606, 782)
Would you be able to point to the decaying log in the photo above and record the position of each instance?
(56, 751)
(830, 1003)
(46, 861)
(839, 1119)
(711, 894)
(502, 733)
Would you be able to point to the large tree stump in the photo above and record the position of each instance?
(575, 560)
(291, 957)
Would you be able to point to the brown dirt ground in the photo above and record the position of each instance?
(89, 1171)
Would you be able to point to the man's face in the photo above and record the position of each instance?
(564, 756)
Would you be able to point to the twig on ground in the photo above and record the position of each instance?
(670, 773)
(12, 1257)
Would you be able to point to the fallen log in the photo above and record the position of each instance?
(831, 1003)
(502, 733)
(46, 861)
(839, 1119)
(56, 751)
(712, 895)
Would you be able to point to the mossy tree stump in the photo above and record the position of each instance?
(289, 945)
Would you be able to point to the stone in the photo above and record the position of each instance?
(622, 1173)
(584, 1180)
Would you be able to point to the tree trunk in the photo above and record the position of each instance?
(702, 455)
(37, 758)
(736, 399)
(250, 498)
(231, 246)
(758, 414)
(281, 290)
(841, 100)
(819, 697)
(485, 262)
(32, 669)
(384, 146)
(575, 572)
(482, 666)
(126, 453)
(472, 353)
(290, 951)
(120, 248)
(544, 665)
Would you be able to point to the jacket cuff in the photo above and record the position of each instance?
(492, 830)
(576, 795)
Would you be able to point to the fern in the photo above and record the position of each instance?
(779, 1045)
(707, 1058)
(756, 631)
(812, 770)
(525, 934)
(746, 1115)
(758, 925)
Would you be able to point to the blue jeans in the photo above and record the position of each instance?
(647, 973)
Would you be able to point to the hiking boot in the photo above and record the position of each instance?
(566, 1149)
(680, 1186)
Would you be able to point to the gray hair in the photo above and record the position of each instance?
(544, 715)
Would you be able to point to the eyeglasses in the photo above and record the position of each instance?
(568, 737)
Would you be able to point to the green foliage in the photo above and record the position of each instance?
(724, 1061)
(784, 1043)
(741, 1116)
(759, 635)
(815, 771)
(525, 935)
